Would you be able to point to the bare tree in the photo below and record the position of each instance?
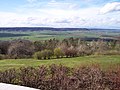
(21, 49)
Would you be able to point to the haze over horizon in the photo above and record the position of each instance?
(60, 13)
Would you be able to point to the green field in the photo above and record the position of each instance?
(45, 35)
(103, 61)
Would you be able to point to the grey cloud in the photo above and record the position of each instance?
(63, 21)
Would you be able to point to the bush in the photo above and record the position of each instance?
(46, 54)
(4, 45)
(58, 77)
(33, 77)
(49, 54)
(69, 51)
(9, 76)
(112, 52)
(37, 55)
(72, 51)
(84, 49)
(58, 52)
(2, 57)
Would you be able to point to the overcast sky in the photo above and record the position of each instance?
(60, 13)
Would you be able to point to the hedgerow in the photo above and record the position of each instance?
(59, 77)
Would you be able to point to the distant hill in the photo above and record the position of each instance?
(39, 29)
(54, 29)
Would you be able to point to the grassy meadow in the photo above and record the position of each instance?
(104, 61)
(48, 34)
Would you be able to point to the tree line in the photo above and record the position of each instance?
(53, 48)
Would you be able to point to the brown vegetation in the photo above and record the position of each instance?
(63, 78)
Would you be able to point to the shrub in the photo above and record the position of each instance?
(84, 49)
(89, 78)
(112, 52)
(72, 51)
(58, 52)
(4, 45)
(8, 76)
(39, 46)
(58, 77)
(69, 51)
(117, 45)
(37, 55)
(47, 54)
(33, 77)
(2, 57)
(102, 46)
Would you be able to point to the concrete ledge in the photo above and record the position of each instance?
(4, 86)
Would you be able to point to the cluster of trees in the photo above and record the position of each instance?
(47, 49)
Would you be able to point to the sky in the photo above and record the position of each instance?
(60, 13)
